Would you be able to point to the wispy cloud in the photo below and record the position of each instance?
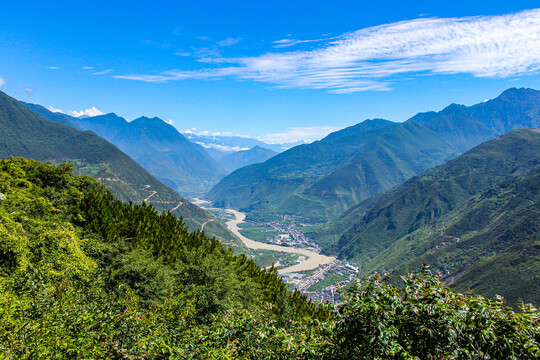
(371, 58)
(304, 134)
(283, 43)
(87, 67)
(104, 72)
(55, 110)
(228, 42)
(2, 81)
(93, 111)
(29, 91)
(53, 67)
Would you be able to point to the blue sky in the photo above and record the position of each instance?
(275, 70)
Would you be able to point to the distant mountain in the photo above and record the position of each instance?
(53, 116)
(26, 134)
(465, 127)
(243, 158)
(325, 178)
(219, 146)
(320, 180)
(156, 146)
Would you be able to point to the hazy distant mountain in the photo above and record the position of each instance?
(465, 127)
(53, 116)
(366, 159)
(455, 217)
(240, 159)
(26, 134)
(156, 146)
(322, 179)
(219, 146)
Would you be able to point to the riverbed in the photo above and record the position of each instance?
(313, 259)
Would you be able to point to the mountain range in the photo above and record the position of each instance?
(323, 179)
(239, 159)
(24, 133)
(190, 164)
(220, 145)
(472, 219)
(156, 146)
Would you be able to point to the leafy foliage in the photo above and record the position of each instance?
(84, 275)
(424, 319)
(25, 133)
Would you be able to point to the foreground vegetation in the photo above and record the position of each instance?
(83, 275)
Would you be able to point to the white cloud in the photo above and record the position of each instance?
(53, 67)
(219, 147)
(283, 43)
(228, 42)
(87, 67)
(104, 72)
(52, 109)
(93, 111)
(371, 58)
(2, 81)
(29, 91)
(303, 134)
(170, 122)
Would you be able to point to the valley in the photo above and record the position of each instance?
(311, 259)
(294, 180)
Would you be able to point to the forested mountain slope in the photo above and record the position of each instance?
(445, 216)
(156, 146)
(27, 134)
(84, 275)
(323, 179)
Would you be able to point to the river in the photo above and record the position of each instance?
(313, 259)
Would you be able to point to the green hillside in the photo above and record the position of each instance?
(25, 133)
(422, 199)
(84, 275)
(322, 180)
(282, 180)
(155, 145)
(491, 244)
(446, 218)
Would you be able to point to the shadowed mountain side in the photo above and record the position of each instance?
(375, 225)
(288, 174)
(156, 146)
(26, 134)
(491, 244)
(323, 179)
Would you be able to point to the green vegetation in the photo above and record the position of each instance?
(84, 275)
(323, 179)
(256, 232)
(27, 134)
(267, 258)
(474, 219)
